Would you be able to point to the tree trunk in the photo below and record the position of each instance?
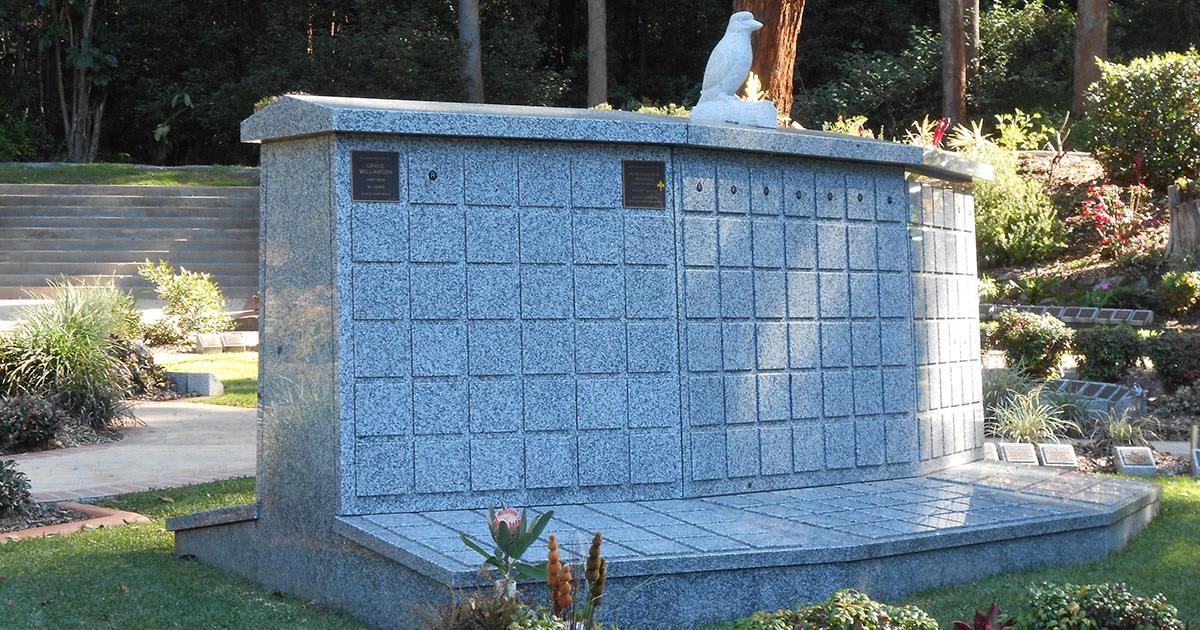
(1184, 236)
(775, 47)
(1091, 41)
(597, 91)
(468, 37)
(954, 62)
(971, 14)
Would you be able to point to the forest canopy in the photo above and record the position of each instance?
(168, 82)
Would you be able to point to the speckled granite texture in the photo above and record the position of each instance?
(766, 390)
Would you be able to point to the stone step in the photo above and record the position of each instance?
(892, 536)
(55, 269)
(134, 253)
(129, 233)
(110, 191)
(181, 243)
(208, 210)
(141, 224)
(237, 291)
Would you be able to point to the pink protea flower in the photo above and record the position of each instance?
(510, 517)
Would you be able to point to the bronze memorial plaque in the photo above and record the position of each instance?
(1137, 457)
(375, 176)
(644, 184)
(1058, 455)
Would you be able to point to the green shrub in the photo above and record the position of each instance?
(1179, 291)
(846, 609)
(162, 332)
(1107, 353)
(28, 421)
(989, 289)
(1028, 418)
(1148, 109)
(1035, 342)
(14, 490)
(1015, 221)
(987, 335)
(1176, 358)
(1109, 606)
(194, 303)
(1121, 296)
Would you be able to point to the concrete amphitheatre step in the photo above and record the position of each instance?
(101, 233)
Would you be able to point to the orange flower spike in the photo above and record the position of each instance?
(564, 589)
(553, 567)
(597, 587)
(592, 573)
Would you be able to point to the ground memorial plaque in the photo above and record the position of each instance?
(1018, 453)
(1057, 455)
(1196, 462)
(1135, 460)
(989, 452)
(209, 343)
(509, 329)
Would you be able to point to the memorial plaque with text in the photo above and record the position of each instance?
(1018, 453)
(1058, 455)
(644, 184)
(375, 176)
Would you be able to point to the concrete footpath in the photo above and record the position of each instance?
(176, 443)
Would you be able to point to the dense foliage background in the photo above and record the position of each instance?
(186, 73)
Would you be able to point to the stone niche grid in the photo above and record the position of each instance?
(510, 331)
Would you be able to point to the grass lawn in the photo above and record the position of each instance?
(128, 577)
(238, 371)
(1164, 558)
(129, 174)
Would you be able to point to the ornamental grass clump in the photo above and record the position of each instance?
(1027, 418)
(72, 350)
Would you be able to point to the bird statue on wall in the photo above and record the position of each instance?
(729, 63)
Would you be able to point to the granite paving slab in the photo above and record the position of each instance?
(975, 503)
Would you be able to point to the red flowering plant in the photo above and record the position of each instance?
(513, 533)
(1118, 215)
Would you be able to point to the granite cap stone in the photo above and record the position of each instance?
(295, 116)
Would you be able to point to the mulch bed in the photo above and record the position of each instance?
(1168, 465)
(40, 515)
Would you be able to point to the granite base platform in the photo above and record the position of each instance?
(680, 562)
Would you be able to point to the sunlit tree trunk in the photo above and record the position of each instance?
(1091, 41)
(472, 61)
(775, 47)
(971, 15)
(597, 91)
(954, 63)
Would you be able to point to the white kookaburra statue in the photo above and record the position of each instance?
(729, 64)
(727, 69)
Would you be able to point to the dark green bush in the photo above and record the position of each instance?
(194, 303)
(846, 609)
(1176, 358)
(1107, 353)
(28, 421)
(1149, 108)
(1034, 342)
(1179, 291)
(1109, 606)
(1121, 296)
(1015, 221)
(14, 490)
